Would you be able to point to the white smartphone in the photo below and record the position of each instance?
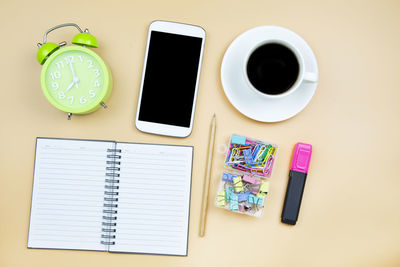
(170, 78)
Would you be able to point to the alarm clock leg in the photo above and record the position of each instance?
(69, 116)
(103, 105)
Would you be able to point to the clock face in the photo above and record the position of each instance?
(75, 79)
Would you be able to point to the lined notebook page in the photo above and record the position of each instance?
(68, 193)
(154, 199)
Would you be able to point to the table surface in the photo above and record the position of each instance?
(349, 214)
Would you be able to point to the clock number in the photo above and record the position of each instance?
(61, 95)
(55, 75)
(96, 72)
(60, 64)
(82, 100)
(80, 58)
(71, 99)
(96, 83)
(55, 85)
(91, 93)
(90, 64)
(69, 59)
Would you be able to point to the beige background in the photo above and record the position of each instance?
(350, 213)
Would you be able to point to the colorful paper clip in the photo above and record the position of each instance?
(263, 190)
(237, 184)
(243, 196)
(248, 158)
(256, 200)
(234, 205)
(229, 193)
(243, 193)
(226, 176)
(251, 156)
(221, 198)
(250, 179)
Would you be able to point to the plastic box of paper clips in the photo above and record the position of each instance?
(245, 188)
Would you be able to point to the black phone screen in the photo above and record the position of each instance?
(170, 79)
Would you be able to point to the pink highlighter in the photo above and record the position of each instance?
(297, 180)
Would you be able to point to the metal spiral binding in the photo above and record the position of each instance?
(110, 197)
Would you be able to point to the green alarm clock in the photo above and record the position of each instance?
(74, 79)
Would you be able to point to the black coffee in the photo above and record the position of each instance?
(272, 69)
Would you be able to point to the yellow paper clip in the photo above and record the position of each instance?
(274, 151)
(260, 152)
(269, 153)
(221, 198)
(238, 184)
(234, 155)
(263, 190)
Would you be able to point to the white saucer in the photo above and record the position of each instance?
(247, 101)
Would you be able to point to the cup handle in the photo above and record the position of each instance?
(310, 77)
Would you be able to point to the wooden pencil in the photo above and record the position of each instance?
(203, 215)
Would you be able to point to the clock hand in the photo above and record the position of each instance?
(72, 70)
(69, 87)
(75, 78)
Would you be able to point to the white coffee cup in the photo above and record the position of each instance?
(302, 76)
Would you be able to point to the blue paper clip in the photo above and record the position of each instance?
(234, 205)
(228, 177)
(240, 140)
(243, 196)
(229, 193)
(247, 156)
(255, 152)
(256, 200)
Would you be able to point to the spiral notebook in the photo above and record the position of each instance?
(111, 196)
